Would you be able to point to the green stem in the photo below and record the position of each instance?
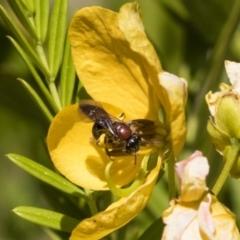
(54, 92)
(91, 202)
(171, 178)
(230, 156)
(41, 54)
(51, 84)
(124, 192)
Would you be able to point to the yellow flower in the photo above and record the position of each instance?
(120, 69)
(197, 214)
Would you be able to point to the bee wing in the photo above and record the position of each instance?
(143, 127)
(92, 111)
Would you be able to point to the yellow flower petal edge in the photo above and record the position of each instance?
(170, 90)
(174, 98)
(224, 220)
(106, 65)
(130, 23)
(118, 213)
(79, 160)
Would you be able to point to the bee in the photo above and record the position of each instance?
(121, 138)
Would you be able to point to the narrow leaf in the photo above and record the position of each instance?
(35, 75)
(23, 16)
(46, 175)
(68, 76)
(41, 18)
(22, 40)
(63, 202)
(47, 218)
(57, 35)
(29, 5)
(37, 100)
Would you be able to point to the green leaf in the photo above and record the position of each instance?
(47, 218)
(41, 18)
(154, 231)
(22, 40)
(29, 5)
(65, 203)
(68, 76)
(35, 75)
(24, 17)
(46, 175)
(57, 35)
(37, 99)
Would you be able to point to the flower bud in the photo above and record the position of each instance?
(224, 125)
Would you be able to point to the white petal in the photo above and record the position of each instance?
(233, 72)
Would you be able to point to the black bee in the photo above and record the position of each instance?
(121, 138)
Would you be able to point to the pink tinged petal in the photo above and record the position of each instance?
(206, 223)
(178, 218)
(188, 221)
(233, 72)
(180, 166)
(118, 213)
(193, 172)
(173, 98)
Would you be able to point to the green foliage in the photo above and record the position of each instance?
(46, 175)
(47, 218)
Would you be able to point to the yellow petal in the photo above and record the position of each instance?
(106, 65)
(130, 23)
(212, 101)
(173, 97)
(218, 138)
(118, 213)
(79, 159)
(225, 222)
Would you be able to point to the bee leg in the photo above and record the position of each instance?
(109, 154)
(121, 116)
(135, 159)
(101, 141)
(107, 142)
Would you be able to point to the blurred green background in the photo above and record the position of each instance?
(192, 39)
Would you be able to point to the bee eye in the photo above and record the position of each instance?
(123, 131)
